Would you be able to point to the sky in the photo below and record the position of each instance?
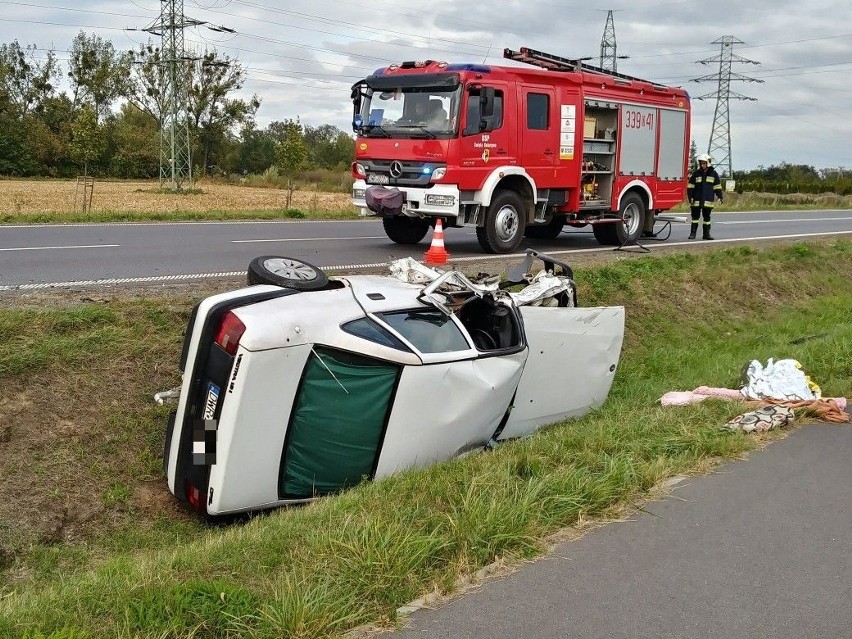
(302, 56)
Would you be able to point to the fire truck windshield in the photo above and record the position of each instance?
(411, 112)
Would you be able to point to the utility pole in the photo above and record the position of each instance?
(719, 147)
(609, 59)
(175, 143)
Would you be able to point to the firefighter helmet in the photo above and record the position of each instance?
(704, 158)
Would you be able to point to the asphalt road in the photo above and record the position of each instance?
(32, 256)
(762, 548)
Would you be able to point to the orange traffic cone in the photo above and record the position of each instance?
(437, 254)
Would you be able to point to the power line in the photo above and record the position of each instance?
(719, 146)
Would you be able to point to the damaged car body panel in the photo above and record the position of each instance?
(290, 393)
(582, 339)
(466, 411)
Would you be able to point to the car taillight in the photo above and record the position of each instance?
(195, 498)
(230, 331)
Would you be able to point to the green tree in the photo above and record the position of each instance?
(134, 146)
(329, 147)
(87, 143)
(257, 151)
(15, 156)
(291, 151)
(52, 141)
(98, 74)
(215, 116)
(26, 81)
(693, 154)
(149, 81)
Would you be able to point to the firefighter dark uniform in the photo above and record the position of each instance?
(704, 187)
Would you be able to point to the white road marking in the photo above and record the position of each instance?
(120, 280)
(311, 239)
(177, 223)
(55, 248)
(812, 219)
(352, 267)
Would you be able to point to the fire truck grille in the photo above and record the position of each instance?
(398, 173)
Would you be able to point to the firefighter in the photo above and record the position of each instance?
(704, 186)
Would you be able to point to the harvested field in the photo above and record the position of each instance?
(37, 197)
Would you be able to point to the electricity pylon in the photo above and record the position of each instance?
(609, 59)
(719, 147)
(175, 143)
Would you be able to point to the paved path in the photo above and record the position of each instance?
(762, 548)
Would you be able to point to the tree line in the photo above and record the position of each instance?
(108, 121)
(795, 178)
(787, 178)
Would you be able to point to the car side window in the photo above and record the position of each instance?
(370, 330)
(429, 330)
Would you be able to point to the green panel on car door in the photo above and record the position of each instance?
(337, 424)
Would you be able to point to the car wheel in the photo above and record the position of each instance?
(505, 222)
(549, 231)
(288, 272)
(405, 230)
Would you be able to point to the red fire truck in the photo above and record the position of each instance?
(518, 151)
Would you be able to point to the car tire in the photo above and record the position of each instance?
(405, 230)
(549, 231)
(629, 227)
(288, 272)
(505, 223)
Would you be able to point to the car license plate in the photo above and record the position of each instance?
(378, 178)
(212, 400)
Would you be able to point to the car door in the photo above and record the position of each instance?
(573, 355)
(443, 410)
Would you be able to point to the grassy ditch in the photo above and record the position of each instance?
(117, 558)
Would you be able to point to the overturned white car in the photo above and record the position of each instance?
(302, 385)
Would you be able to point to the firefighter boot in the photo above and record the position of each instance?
(707, 235)
(692, 230)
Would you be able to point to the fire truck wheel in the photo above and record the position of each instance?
(632, 214)
(287, 272)
(505, 223)
(549, 231)
(405, 230)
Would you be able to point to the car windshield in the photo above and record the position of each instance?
(411, 112)
(428, 330)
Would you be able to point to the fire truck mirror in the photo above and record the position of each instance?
(486, 102)
(356, 97)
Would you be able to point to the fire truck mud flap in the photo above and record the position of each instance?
(384, 201)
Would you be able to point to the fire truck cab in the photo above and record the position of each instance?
(517, 151)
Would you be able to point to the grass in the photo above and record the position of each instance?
(355, 558)
(51, 201)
